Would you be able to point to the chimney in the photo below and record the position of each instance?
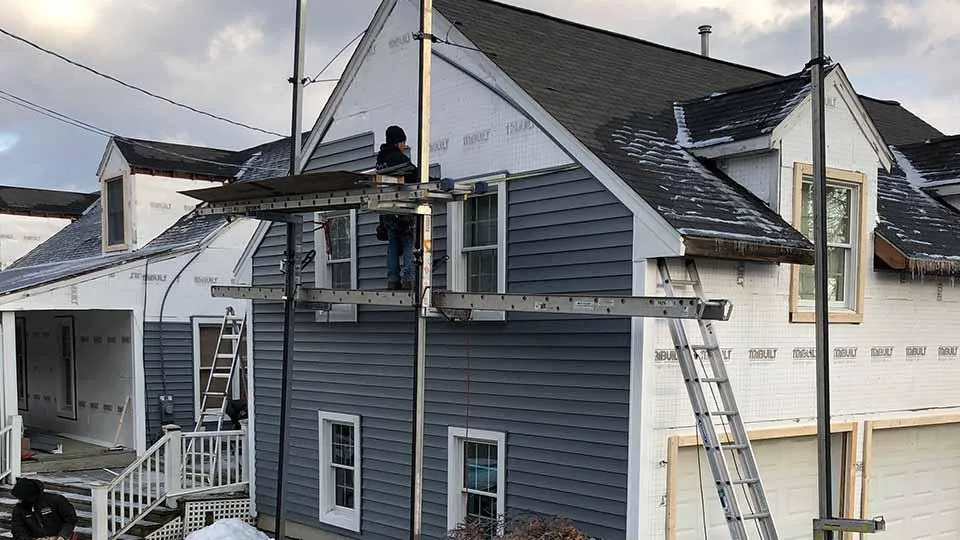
(705, 31)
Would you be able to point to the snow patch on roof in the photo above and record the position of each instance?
(913, 175)
(683, 134)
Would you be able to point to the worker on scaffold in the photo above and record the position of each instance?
(397, 229)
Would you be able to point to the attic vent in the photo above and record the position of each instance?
(705, 31)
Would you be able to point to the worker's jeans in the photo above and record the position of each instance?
(397, 246)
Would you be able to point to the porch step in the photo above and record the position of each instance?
(81, 498)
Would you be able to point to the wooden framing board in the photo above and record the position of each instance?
(847, 482)
(891, 423)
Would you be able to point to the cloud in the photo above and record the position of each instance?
(8, 140)
(234, 57)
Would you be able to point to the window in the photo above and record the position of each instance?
(845, 229)
(67, 362)
(340, 470)
(477, 242)
(23, 394)
(116, 225)
(476, 478)
(336, 260)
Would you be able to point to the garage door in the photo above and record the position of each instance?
(789, 470)
(915, 481)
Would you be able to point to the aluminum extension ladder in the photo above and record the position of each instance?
(741, 492)
(225, 366)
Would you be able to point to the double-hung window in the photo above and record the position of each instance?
(335, 242)
(845, 245)
(477, 243)
(476, 478)
(67, 360)
(340, 470)
(115, 226)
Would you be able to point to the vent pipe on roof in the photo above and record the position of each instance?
(705, 31)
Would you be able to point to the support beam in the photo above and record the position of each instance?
(610, 306)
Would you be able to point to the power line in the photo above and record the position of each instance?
(134, 87)
(316, 78)
(29, 105)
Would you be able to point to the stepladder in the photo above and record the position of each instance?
(719, 424)
(226, 365)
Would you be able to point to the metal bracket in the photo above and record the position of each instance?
(867, 526)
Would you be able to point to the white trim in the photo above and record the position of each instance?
(20, 326)
(343, 518)
(457, 268)
(195, 323)
(319, 129)
(748, 146)
(8, 364)
(105, 158)
(67, 321)
(455, 437)
(322, 277)
(251, 409)
(139, 382)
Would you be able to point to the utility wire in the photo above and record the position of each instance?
(29, 105)
(134, 87)
(316, 78)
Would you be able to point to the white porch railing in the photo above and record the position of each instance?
(10, 437)
(178, 464)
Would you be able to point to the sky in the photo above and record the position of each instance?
(232, 58)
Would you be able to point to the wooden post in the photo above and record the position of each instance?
(172, 463)
(101, 513)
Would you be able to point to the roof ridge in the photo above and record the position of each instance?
(936, 140)
(48, 190)
(150, 141)
(745, 88)
(627, 37)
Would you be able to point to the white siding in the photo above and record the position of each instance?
(471, 127)
(20, 234)
(776, 386)
(759, 173)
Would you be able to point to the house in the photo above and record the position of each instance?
(107, 333)
(611, 152)
(29, 216)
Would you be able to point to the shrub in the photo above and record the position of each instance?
(526, 527)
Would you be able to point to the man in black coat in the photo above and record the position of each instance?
(397, 229)
(39, 515)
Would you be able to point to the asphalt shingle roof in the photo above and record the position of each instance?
(45, 202)
(936, 161)
(616, 94)
(78, 240)
(161, 156)
(740, 113)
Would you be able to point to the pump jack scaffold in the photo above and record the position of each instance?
(286, 199)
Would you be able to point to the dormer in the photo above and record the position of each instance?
(140, 185)
(933, 166)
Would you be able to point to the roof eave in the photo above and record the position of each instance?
(896, 259)
(762, 143)
(744, 250)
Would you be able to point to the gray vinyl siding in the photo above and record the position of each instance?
(168, 370)
(557, 386)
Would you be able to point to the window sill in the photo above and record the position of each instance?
(339, 313)
(342, 519)
(115, 247)
(836, 317)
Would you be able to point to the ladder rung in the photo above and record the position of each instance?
(216, 394)
(232, 336)
(714, 379)
(735, 446)
(225, 356)
(722, 413)
(220, 375)
(744, 481)
(760, 515)
(235, 317)
(683, 282)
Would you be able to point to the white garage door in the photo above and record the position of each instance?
(915, 482)
(789, 471)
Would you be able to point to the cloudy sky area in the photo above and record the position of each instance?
(233, 58)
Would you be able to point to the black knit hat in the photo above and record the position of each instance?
(27, 490)
(396, 135)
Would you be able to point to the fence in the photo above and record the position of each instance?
(10, 437)
(178, 464)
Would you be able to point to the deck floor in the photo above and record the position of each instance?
(76, 455)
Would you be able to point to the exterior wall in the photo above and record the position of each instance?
(760, 173)
(157, 203)
(563, 401)
(168, 369)
(874, 369)
(20, 234)
(104, 369)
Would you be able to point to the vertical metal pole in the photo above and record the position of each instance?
(424, 269)
(820, 270)
(291, 275)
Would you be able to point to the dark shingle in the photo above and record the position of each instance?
(936, 160)
(740, 113)
(78, 240)
(44, 202)
(161, 156)
(188, 230)
(896, 124)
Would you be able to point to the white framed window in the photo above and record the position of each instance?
(846, 207)
(477, 243)
(114, 210)
(340, 470)
(476, 477)
(67, 364)
(23, 394)
(335, 243)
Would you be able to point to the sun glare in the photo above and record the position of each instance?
(74, 16)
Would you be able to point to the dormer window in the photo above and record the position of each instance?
(114, 203)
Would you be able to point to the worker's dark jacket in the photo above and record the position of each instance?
(40, 514)
(390, 156)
